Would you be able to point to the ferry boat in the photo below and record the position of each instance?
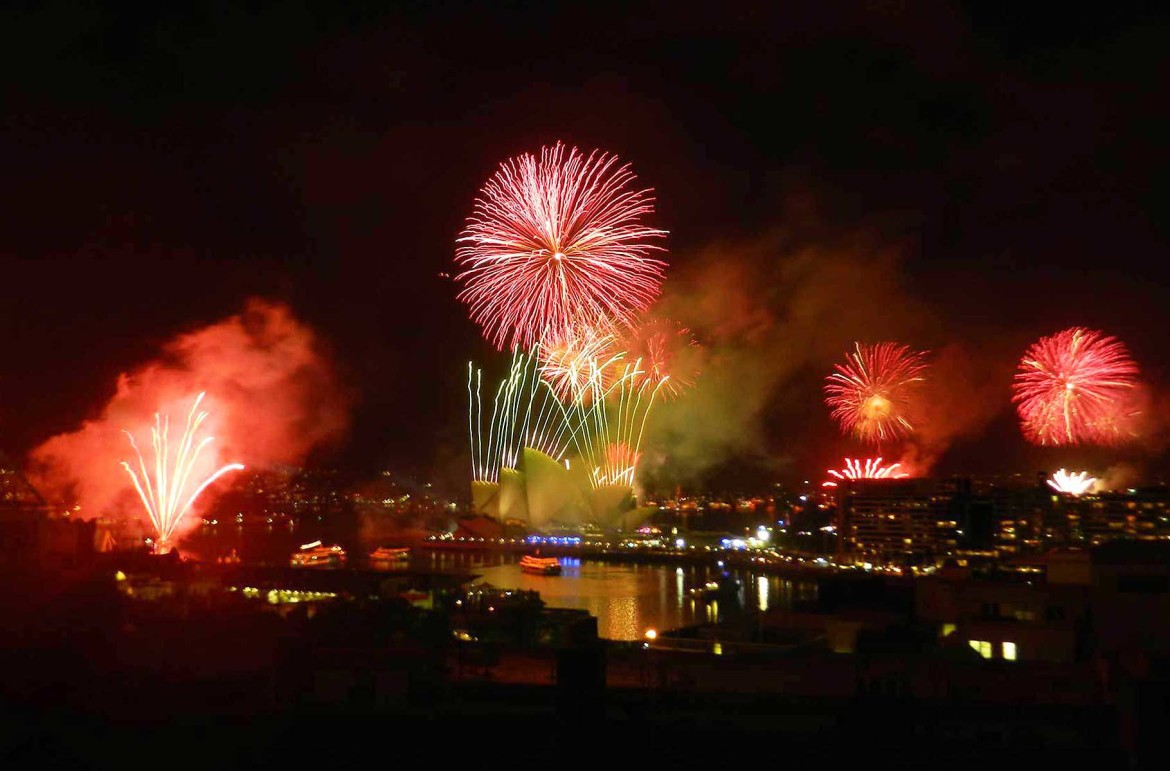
(390, 554)
(544, 566)
(318, 555)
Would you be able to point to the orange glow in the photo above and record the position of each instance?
(271, 397)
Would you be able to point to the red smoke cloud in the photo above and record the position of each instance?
(962, 393)
(271, 396)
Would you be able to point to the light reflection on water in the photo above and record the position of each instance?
(627, 599)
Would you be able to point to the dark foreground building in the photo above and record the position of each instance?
(233, 666)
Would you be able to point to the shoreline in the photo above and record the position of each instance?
(771, 565)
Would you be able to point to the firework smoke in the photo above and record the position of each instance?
(557, 242)
(966, 389)
(1120, 476)
(667, 352)
(272, 397)
(768, 316)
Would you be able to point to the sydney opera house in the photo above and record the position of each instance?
(544, 493)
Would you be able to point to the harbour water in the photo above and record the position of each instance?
(627, 599)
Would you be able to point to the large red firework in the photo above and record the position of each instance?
(557, 242)
(1076, 387)
(872, 394)
(665, 353)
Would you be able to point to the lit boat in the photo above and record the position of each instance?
(316, 554)
(544, 566)
(390, 554)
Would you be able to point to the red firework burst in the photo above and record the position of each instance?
(621, 463)
(870, 468)
(1078, 386)
(871, 395)
(665, 352)
(557, 242)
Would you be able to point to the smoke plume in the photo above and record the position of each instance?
(963, 390)
(271, 395)
(771, 317)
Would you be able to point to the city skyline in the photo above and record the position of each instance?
(959, 183)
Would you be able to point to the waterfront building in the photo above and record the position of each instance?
(897, 521)
(919, 522)
(1068, 605)
(32, 533)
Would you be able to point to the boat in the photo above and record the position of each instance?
(317, 554)
(727, 589)
(543, 566)
(390, 554)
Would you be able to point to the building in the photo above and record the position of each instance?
(1108, 601)
(919, 522)
(31, 534)
(911, 522)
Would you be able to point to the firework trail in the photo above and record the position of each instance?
(871, 394)
(619, 466)
(1076, 387)
(608, 422)
(524, 413)
(556, 242)
(870, 468)
(166, 498)
(662, 347)
(1077, 483)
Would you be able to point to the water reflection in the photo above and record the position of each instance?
(628, 599)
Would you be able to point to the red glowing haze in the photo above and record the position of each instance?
(271, 397)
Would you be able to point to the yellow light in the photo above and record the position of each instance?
(947, 629)
(1009, 651)
(119, 576)
(651, 634)
(717, 649)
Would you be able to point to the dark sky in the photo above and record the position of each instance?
(158, 167)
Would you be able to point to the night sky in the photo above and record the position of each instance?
(159, 167)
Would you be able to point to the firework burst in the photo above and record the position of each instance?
(571, 361)
(1076, 387)
(871, 394)
(666, 351)
(172, 492)
(870, 468)
(556, 242)
(1073, 483)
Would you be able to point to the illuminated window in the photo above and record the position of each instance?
(1009, 651)
(982, 647)
(947, 629)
